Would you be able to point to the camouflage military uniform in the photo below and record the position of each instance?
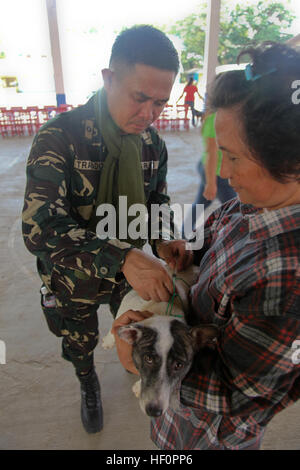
(79, 269)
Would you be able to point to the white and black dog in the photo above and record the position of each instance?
(163, 345)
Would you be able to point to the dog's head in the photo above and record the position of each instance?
(163, 350)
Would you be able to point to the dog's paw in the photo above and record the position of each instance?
(108, 341)
(137, 389)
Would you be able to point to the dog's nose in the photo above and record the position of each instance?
(153, 411)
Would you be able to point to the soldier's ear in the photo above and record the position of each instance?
(107, 75)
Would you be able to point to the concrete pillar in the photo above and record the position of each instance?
(55, 50)
(211, 41)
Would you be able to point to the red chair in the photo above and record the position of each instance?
(6, 122)
(180, 108)
(46, 113)
(27, 121)
(33, 119)
(186, 124)
(20, 121)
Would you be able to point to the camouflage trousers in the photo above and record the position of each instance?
(77, 324)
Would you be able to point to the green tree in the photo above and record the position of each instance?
(252, 24)
(240, 26)
(191, 30)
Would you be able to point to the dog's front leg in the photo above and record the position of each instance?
(108, 341)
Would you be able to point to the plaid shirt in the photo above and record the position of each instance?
(250, 287)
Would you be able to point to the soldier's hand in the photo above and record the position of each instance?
(147, 276)
(176, 254)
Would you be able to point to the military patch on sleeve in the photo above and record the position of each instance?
(90, 130)
(146, 136)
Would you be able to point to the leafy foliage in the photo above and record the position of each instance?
(239, 27)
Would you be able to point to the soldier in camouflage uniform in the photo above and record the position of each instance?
(79, 271)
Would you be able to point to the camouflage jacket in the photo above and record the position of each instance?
(63, 174)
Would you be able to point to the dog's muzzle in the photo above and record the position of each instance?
(153, 410)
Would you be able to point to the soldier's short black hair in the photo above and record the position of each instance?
(144, 44)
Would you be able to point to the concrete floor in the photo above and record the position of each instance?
(39, 393)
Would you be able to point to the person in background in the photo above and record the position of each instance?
(189, 101)
(211, 186)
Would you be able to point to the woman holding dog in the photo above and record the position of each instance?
(249, 266)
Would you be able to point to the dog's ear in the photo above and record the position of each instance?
(204, 335)
(130, 333)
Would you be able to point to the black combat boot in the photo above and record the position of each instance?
(91, 406)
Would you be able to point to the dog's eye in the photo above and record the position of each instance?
(148, 359)
(178, 365)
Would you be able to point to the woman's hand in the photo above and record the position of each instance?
(124, 349)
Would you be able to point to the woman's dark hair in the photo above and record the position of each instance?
(191, 81)
(144, 44)
(270, 116)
